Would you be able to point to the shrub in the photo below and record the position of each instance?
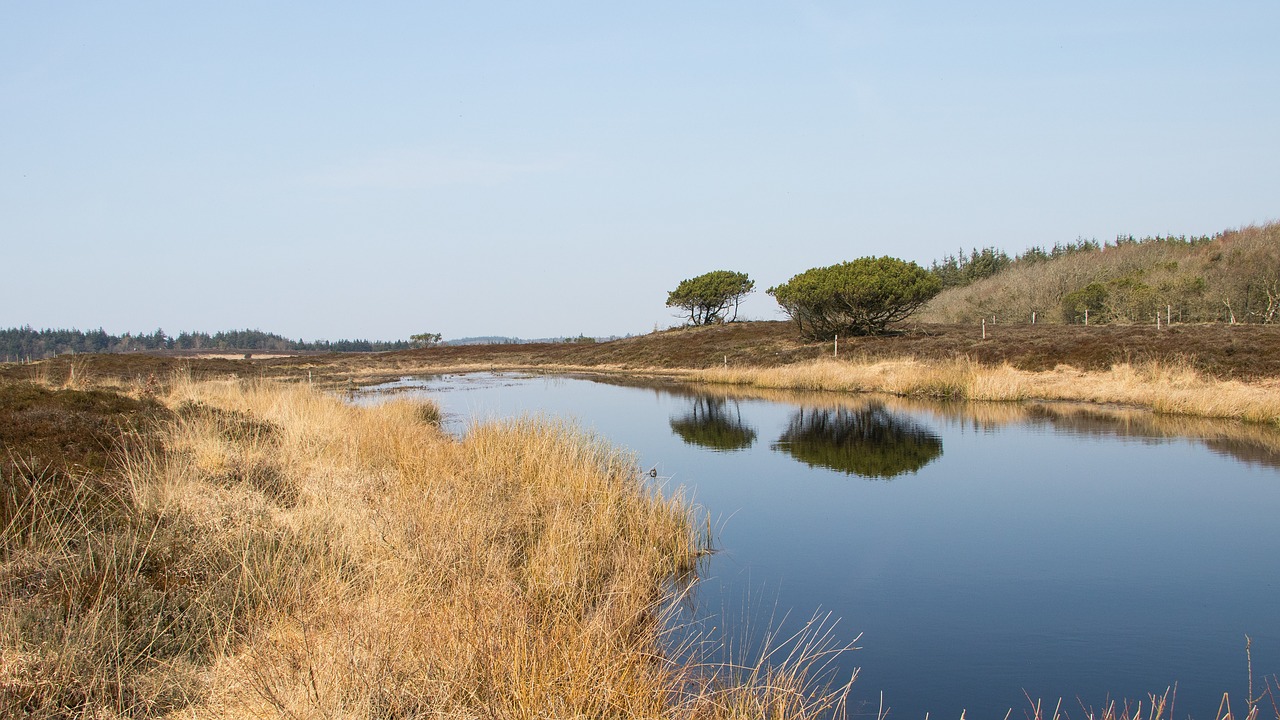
(855, 298)
(1090, 299)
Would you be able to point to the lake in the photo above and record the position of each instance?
(985, 553)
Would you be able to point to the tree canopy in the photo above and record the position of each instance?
(707, 298)
(860, 297)
(960, 269)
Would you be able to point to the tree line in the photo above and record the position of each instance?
(28, 343)
(1233, 277)
(964, 269)
(1229, 277)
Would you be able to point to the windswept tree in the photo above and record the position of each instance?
(855, 298)
(707, 298)
(422, 340)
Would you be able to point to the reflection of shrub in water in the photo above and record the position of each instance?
(710, 425)
(870, 441)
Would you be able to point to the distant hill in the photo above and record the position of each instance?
(486, 340)
(503, 340)
(1233, 276)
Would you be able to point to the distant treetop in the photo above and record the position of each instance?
(27, 343)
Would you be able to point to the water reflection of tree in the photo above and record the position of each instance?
(710, 424)
(869, 441)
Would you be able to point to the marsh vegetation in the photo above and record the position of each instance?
(1167, 388)
(254, 549)
(981, 549)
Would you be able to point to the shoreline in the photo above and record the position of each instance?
(1159, 388)
(1218, 371)
(1164, 389)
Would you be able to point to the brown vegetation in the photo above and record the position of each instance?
(273, 552)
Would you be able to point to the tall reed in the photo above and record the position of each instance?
(284, 554)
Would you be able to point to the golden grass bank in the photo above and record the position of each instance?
(275, 552)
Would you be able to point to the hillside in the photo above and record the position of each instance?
(1232, 277)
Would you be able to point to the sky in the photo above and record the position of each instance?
(374, 170)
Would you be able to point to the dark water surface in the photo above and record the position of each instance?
(985, 553)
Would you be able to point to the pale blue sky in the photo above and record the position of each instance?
(328, 170)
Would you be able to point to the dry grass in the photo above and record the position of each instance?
(283, 554)
(1161, 706)
(1165, 388)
